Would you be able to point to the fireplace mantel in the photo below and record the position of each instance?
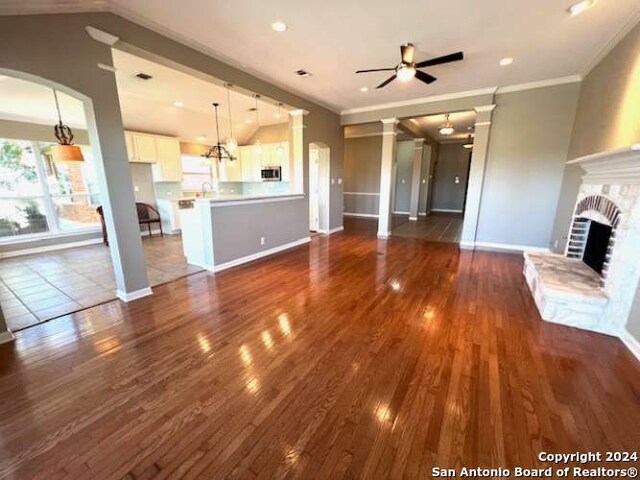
(620, 166)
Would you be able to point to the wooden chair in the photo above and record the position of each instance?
(147, 215)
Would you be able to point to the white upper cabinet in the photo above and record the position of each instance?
(253, 160)
(168, 167)
(145, 148)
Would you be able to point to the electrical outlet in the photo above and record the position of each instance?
(262, 241)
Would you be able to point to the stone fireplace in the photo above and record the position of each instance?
(593, 284)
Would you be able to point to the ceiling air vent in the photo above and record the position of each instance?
(303, 73)
(143, 76)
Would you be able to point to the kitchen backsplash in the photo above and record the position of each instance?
(168, 190)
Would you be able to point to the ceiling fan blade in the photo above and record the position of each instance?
(406, 51)
(425, 77)
(387, 82)
(376, 70)
(454, 57)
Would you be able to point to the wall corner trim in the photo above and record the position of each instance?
(6, 337)
(335, 230)
(101, 36)
(551, 82)
(135, 295)
(485, 108)
(630, 342)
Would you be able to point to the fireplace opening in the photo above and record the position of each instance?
(595, 251)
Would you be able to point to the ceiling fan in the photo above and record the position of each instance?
(408, 69)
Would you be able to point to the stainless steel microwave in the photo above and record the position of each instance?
(271, 174)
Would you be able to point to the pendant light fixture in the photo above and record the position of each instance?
(469, 143)
(64, 150)
(232, 143)
(258, 145)
(218, 151)
(447, 127)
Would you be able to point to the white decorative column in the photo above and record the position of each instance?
(476, 175)
(386, 175)
(418, 153)
(296, 150)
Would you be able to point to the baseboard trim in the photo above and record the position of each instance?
(630, 342)
(401, 213)
(364, 215)
(334, 230)
(49, 248)
(509, 247)
(384, 235)
(413, 219)
(467, 245)
(6, 337)
(445, 210)
(258, 255)
(135, 295)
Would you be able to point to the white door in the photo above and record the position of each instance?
(314, 191)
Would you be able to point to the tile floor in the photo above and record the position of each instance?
(39, 287)
(436, 227)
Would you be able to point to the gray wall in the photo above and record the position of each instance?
(362, 157)
(453, 161)
(35, 131)
(271, 134)
(142, 179)
(404, 173)
(608, 117)
(280, 222)
(527, 153)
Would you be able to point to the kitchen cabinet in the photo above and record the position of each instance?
(162, 152)
(168, 167)
(253, 160)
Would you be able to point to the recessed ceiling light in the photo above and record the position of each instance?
(364, 89)
(506, 61)
(279, 26)
(202, 138)
(178, 103)
(248, 120)
(580, 7)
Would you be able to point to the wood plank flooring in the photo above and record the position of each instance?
(349, 358)
(435, 227)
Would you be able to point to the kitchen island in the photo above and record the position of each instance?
(228, 230)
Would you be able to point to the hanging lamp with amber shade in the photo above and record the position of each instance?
(64, 150)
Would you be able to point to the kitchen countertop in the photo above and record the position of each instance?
(236, 197)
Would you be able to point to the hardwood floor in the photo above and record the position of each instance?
(349, 358)
(435, 227)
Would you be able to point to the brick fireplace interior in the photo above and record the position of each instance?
(595, 250)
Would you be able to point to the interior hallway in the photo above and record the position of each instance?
(371, 359)
(36, 288)
(435, 227)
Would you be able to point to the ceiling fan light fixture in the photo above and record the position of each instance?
(406, 72)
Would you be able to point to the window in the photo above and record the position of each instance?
(39, 196)
(196, 171)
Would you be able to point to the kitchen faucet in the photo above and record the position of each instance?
(204, 184)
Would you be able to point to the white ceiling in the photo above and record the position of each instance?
(334, 38)
(147, 106)
(463, 123)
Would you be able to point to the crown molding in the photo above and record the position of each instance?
(101, 36)
(21, 7)
(551, 82)
(485, 108)
(418, 101)
(612, 43)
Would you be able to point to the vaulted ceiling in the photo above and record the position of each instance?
(333, 38)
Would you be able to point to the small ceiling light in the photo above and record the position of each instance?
(506, 61)
(405, 72)
(248, 120)
(364, 89)
(178, 103)
(279, 26)
(447, 127)
(580, 7)
(202, 138)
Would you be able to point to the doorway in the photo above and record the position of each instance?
(319, 187)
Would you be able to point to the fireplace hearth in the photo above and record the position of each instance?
(593, 284)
